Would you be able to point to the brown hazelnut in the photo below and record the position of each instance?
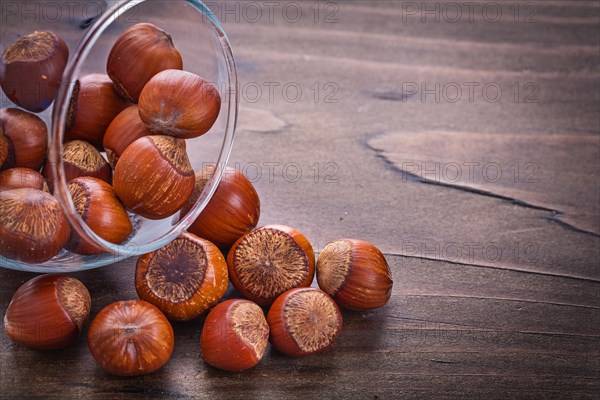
(101, 210)
(190, 109)
(31, 70)
(80, 159)
(355, 273)
(304, 321)
(16, 178)
(126, 128)
(154, 177)
(27, 138)
(184, 278)
(233, 210)
(48, 312)
(141, 52)
(94, 104)
(235, 335)
(131, 338)
(33, 227)
(269, 261)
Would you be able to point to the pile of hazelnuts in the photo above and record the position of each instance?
(142, 127)
(138, 114)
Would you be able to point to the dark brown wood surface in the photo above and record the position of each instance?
(496, 282)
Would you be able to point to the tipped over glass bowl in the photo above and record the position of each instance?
(205, 51)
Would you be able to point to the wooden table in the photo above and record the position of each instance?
(496, 278)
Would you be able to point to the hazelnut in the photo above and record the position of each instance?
(101, 210)
(190, 109)
(141, 52)
(48, 312)
(31, 70)
(235, 335)
(154, 177)
(16, 178)
(355, 273)
(233, 210)
(304, 321)
(80, 159)
(269, 261)
(126, 128)
(94, 104)
(33, 227)
(184, 278)
(27, 138)
(131, 338)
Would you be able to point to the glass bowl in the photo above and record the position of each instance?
(206, 51)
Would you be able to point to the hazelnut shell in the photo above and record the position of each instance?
(235, 335)
(131, 338)
(154, 177)
(17, 178)
(80, 159)
(233, 210)
(141, 52)
(304, 321)
(184, 278)
(189, 111)
(269, 261)
(27, 138)
(355, 273)
(33, 227)
(126, 128)
(94, 104)
(31, 70)
(101, 210)
(48, 312)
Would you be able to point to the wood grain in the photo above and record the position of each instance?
(493, 298)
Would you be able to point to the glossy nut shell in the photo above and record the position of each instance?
(235, 335)
(304, 321)
(270, 260)
(184, 278)
(154, 177)
(27, 138)
(97, 204)
(131, 338)
(33, 227)
(355, 273)
(48, 312)
(233, 210)
(141, 52)
(31, 70)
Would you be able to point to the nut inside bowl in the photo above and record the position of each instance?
(206, 52)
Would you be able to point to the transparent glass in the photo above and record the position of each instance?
(206, 51)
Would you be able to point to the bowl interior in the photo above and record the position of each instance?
(205, 50)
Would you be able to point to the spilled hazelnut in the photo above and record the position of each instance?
(48, 312)
(26, 136)
(235, 335)
(233, 210)
(355, 273)
(304, 321)
(32, 68)
(184, 278)
(269, 261)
